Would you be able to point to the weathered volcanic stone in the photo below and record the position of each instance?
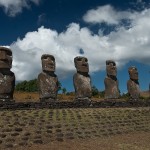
(82, 80)
(47, 80)
(133, 84)
(7, 77)
(111, 82)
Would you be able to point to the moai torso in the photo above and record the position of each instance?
(111, 82)
(7, 77)
(133, 84)
(82, 80)
(82, 86)
(47, 80)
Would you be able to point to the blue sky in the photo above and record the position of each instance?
(101, 30)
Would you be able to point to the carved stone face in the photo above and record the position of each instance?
(133, 73)
(81, 64)
(5, 58)
(111, 68)
(48, 63)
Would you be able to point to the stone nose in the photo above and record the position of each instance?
(49, 59)
(3, 56)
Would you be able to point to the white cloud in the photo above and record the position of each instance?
(13, 7)
(106, 14)
(122, 45)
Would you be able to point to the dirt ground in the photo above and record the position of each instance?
(75, 129)
(134, 141)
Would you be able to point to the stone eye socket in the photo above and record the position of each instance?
(113, 64)
(79, 59)
(46, 57)
(134, 68)
(8, 53)
(86, 60)
(52, 58)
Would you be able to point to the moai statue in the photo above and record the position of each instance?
(133, 84)
(47, 80)
(82, 80)
(7, 77)
(111, 82)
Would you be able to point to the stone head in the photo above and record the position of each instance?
(111, 68)
(48, 63)
(81, 64)
(5, 58)
(133, 73)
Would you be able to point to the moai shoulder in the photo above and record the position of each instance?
(82, 80)
(111, 82)
(7, 77)
(133, 84)
(47, 79)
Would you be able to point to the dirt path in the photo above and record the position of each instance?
(135, 141)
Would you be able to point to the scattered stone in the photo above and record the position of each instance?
(60, 139)
(49, 131)
(38, 141)
(18, 129)
(22, 143)
(25, 138)
(7, 130)
(2, 135)
(27, 134)
(10, 140)
(9, 145)
(15, 134)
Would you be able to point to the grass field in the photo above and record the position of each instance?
(109, 128)
(34, 96)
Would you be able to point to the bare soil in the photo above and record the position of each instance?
(134, 141)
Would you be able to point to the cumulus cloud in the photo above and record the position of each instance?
(13, 7)
(122, 45)
(105, 14)
(111, 16)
